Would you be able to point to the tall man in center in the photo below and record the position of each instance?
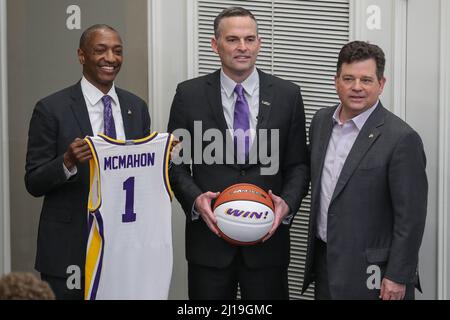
(239, 97)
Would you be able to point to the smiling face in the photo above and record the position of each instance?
(238, 46)
(101, 57)
(358, 87)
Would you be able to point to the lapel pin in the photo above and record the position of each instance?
(129, 111)
(265, 103)
(371, 135)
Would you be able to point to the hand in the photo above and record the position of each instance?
(175, 148)
(280, 212)
(203, 207)
(78, 152)
(391, 290)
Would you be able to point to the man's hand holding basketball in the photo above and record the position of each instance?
(280, 212)
(203, 207)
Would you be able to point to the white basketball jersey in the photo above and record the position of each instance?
(129, 252)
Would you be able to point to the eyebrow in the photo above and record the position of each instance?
(105, 45)
(234, 36)
(362, 77)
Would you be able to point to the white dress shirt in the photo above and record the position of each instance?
(229, 97)
(341, 142)
(93, 98)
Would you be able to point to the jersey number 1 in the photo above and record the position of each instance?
(129, 215)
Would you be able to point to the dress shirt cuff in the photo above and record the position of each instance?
(287, 220)
(194, 214)
(69, 173)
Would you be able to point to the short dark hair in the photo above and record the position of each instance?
(359, 51)
(232, 12)
(85, 37)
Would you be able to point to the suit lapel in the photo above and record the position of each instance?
(127, 111)
(265, 105)
(265, 100)
(367, 136)
(326, 129)
(213, 92)
(80, 111)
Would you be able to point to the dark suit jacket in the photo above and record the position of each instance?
(281, 107)
(377, 212)
(56, 121)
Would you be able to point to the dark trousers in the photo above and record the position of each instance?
(60, 289)
(322, 288)
(208, 283)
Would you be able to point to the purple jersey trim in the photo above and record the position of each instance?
(132, 142)
(165, 166)
(99, 219)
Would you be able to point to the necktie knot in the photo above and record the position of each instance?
(239, 89)
(106, 100)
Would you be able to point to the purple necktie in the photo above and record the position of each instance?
(108, 119)
(241, 121)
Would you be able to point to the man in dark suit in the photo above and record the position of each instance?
(369, 189)
(215, 267)
(56, 165)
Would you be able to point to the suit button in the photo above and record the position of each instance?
(242, 172)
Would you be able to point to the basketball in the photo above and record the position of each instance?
(244, 214)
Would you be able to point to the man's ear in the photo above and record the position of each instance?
(382, 83)
(80, 56)
(214, 45)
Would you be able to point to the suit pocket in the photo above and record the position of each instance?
(372, 166)
(377, 255)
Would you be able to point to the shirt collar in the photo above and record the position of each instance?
(359, 120)
(249, 84)
(94, 95)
